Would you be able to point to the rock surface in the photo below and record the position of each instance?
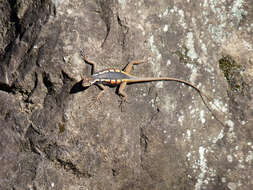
(53, 135)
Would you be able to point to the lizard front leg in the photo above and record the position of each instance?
(95, 101)
(93, 64)
(122, 92)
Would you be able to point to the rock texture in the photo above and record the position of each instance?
(53, 135)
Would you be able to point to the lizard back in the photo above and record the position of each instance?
(111, 76)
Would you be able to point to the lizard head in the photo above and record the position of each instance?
(88, 81)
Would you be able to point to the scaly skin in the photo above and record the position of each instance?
(122, 78)
(119, 77)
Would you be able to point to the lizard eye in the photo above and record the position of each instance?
(87, 82)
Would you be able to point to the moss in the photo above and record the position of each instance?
(61, 127)
(233, 73)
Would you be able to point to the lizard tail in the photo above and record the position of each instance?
(170, 79)
(201, 93)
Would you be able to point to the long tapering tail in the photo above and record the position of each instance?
(201, 93)
(150, 79)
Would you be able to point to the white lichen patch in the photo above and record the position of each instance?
(168, 63)
(194, 72)
(179, 13)
(247, 45)
(159, 84)
(219, 106)
(165, 28)
(202, 163)
(188, 134)
(249, 157)
(122, 2)
(181, 119)
(223, 180)
(196, 113)
(232, 186)
(243, 122)
(154, 102)
(190, 46)
(165, 13)
(231, 133)
(139, 26)
(57, 2)
(188, 155)
(193, 111)
(203, 47)
(182, 18)
(194, 22)
(219, 137)
(237, 10)
(230, 124)
(250, 28)
(229, 158)
(202, 116)
(155, 66)
(224, 18)
(168, 104)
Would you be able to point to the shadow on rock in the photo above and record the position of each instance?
(77, 88)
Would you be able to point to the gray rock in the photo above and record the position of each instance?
(54, 136)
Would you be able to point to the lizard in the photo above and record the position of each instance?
(115, 77)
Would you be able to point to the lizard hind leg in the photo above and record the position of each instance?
(130, 65)
(123, 95)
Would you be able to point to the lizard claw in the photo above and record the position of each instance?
(98, 100)
(82, 53)
(122, 104)
(94, 103)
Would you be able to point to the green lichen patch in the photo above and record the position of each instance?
(233, 72)
(61, 127)
(184, 58)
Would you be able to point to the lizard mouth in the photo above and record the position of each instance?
(87, 82)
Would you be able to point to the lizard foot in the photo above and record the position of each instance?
(82, 54)
(123, 103)
(94, 103)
